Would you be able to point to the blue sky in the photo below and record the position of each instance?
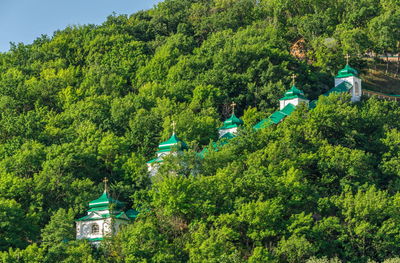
(25, 20)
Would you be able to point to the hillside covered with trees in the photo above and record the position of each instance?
(95, 101)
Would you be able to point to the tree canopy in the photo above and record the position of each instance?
(94, 101)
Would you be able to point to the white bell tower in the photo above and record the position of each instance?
(350, 75)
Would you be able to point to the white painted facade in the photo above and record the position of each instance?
(152, 168)
(96, 227)
(225, 131)
(86, 229)
(356, 90)
(294, 102)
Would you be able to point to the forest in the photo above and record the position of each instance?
(94, 101)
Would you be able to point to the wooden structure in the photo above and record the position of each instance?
(370, 93)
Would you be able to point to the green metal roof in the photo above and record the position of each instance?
(132, 214)
(121, 216)
(113, 209)
(218, 144)
(342, 87)
(172, 143)
(293, 97)
(95, 239)
(288, 109)
(104, 202)
(263, 124)
(89, 217)
(347, 71)
(231, 122)
(293, 93)
(227, 136)
(312, 104)
(275, 117)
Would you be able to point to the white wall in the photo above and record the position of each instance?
(231, 130)
(355, 82)
(107, 227)
(117, 225)
(104, 228)
(295, 102)
(152, 168)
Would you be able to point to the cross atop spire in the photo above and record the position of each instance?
(293, 79)
(347, 57)
(105, 181)
(173, 126)
(233, 105)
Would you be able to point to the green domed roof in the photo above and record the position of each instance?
(347, 71)
(109, 207)
(293, 93)
(172, 143)
(232, 122)
(104, 202)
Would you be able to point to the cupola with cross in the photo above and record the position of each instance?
(230, 125)
(293, 96)
(349, 75)
(173, 145)
(104, 218)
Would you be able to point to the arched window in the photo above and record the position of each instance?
(357, 91)
(95, 229)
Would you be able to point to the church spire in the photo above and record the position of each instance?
(293, 79)
(105, 181)
(233, 105)
(347, 57)
(173, 127)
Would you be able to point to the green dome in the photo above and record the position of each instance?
(111, 208)
(232, 122)
(172, 143)
(104, 202)
(347, 71)
(293, 93)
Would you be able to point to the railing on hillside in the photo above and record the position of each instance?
(370, 93)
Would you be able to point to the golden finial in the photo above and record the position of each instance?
(293, 79)
(347, 58)
(233, 105)
(105, 180)
(173, 127)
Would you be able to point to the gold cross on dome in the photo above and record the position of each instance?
(293, 79)
(105, 180)
(233, 105)
(173, 126)
(347, 58)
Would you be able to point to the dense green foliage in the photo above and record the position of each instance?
(95, 101)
